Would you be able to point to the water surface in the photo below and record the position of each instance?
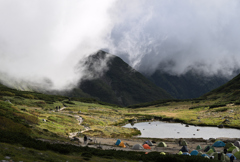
(158, 129)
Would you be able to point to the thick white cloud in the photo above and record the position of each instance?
(46, 39)
(42, 39)
(176, 35)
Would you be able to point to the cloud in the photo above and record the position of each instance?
(44, 41)
(189, 34)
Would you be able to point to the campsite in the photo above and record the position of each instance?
(103, 125)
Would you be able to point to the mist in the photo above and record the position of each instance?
(45, 41)
(176, 36)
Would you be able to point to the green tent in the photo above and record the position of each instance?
(228, 145)
(235, 150)
(162, 153)
(199, 153)
(208, 148)
(232, 148)
(237, 155)
(198, 147)
(184, 143)
(210, 151)
(215, 154)
(162, 144)
(179, 153)
(227, 158)
(223, 157)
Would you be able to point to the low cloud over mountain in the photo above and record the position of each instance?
(45, 40)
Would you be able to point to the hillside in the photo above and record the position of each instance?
(32, 129)
(227, 92)
(120, 84)
(186, 86)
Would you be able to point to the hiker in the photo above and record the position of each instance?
(59, 107)
(180, 141)
(231, 158)
(85, 139)
(225, 150)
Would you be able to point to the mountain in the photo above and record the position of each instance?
(228, 92)
(186, 86)
(120, 84)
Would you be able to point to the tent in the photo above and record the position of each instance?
(137, 147)
(235, 150)
(162, 144)
(222, 157)
(118, 142)
(146, 146)
(194, 152)
(237, 155)
(184, 143)
(228, 145)
(207, 148)
(203, 155)
(237, 143)
(218, 156)
(162, 153)
(232, 148)
(180, 153)
(148, 142)
(198, 147)
(229, 155)
(200, 153)
(219, 144)
(214, 154)
(186, 153)
(184, 149)
(210, 151)
(122, 144)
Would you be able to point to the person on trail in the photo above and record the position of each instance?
(180, 142)
(85, 139)
(59, 107)
(225, 150)
(231, 158)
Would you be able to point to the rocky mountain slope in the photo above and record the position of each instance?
(119, 84)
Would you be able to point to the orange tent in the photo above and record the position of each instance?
(146, 146)
(122, 144)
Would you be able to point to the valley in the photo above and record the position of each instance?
(40, 119)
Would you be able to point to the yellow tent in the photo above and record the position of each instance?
(122, 144)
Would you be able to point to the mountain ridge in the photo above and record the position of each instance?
(120, 84)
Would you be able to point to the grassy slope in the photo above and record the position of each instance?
(21, 123)
(228, 92)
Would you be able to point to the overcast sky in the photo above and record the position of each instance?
(45, 39)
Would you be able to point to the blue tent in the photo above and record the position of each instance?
(118, 142)
(219, 144)
(229, 155)
(203, 155)
(186, 153)
(194, 152)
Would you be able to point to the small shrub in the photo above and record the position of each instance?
(69, 102)
(6, 93)
(196, 107)
(28, 96)
(221, 110)
(216, 105)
